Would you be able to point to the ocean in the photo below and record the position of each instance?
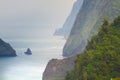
(43, 44)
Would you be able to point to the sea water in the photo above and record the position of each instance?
(44, 46)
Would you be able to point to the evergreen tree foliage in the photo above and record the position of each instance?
(101, 59)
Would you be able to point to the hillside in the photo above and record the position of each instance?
(87, 23)
(65, 30)
(101, 59)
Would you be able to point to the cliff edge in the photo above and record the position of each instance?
(87, 23)
(65, 30)
(56, 68)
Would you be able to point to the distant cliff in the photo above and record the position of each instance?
(56, 69)
(88, 22)
(6, 50)
(65, 30)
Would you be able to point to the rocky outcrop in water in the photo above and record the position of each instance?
(87, 23)
(6, 50)
(56, 68)
(28, 52)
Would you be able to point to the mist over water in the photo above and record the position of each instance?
(31, 24)
(44, 47)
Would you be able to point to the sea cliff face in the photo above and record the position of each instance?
(6, 50)
(56, 68)
(65, 30)
(87, 23)
(101, 58)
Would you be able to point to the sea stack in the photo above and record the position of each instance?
(6, 50)
(28, 52)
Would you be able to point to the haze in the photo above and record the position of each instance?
(42, 11)
(25, 14)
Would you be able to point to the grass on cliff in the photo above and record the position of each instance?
(101, 59)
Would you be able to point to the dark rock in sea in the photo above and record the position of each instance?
(6, 50)
(28, 52)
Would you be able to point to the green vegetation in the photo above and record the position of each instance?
(115, 78)
(101, 59)
(87, 23)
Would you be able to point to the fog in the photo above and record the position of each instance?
(29, 12)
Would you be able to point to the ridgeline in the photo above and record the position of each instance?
(101, 58)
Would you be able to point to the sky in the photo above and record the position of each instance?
(16, 16)
(19, 12)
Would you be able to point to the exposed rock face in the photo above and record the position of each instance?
(6, 50)
(56, 69)
(65, 30)
(87, 23)
(28, 52)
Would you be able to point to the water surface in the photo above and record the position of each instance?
(44, 47)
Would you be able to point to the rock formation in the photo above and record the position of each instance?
(6, 50)
(56, 68)
(65, 30)
(28, 52)
(88, 21)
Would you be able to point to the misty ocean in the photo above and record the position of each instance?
(43, 44)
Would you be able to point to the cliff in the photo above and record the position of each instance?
(101, 58)
(6, 50)
(56, 69)
(65, 30)
(87, 23)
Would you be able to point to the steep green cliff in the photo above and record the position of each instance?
(6, 50)
(101, 59)
(88, 21)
